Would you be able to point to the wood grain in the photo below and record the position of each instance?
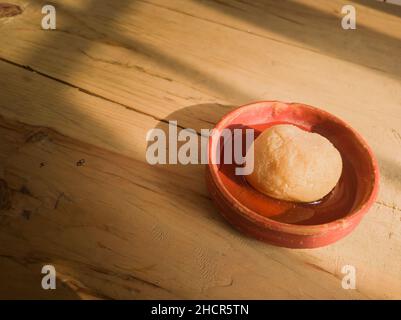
(76, 104)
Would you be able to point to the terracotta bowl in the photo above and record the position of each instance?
(284, 223)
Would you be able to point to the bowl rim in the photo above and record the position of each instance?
(263, 221)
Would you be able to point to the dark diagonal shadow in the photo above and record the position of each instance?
(391, 171)
(388, 8)
(319, 31)
(53, 98)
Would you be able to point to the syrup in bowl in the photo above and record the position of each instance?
(337, 204)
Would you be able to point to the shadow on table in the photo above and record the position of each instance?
(72, 24)
(387, 8)
(319, 31)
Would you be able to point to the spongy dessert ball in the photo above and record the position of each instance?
(293, 164)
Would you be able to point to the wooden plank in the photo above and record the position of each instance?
(125, 229)
(280, 71)
(117, 227)
(131, 238)
(137, 65)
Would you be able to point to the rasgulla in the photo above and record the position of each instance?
(294, 165)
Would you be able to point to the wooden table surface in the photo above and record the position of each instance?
(76, 104)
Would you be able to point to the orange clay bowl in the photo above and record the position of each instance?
(290, 224)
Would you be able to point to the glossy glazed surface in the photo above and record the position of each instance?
(287, 223)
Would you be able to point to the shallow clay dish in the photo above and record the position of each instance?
(290, 224)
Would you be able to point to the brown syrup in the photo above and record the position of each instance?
(337, 204)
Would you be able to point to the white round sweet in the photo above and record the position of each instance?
(294, 165)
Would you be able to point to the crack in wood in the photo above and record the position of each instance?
(27, 261)
(126, 277)
(396, 134)
(89, 92)
(288, 43)
(232, 27)
(57, 202)
(390, 206)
